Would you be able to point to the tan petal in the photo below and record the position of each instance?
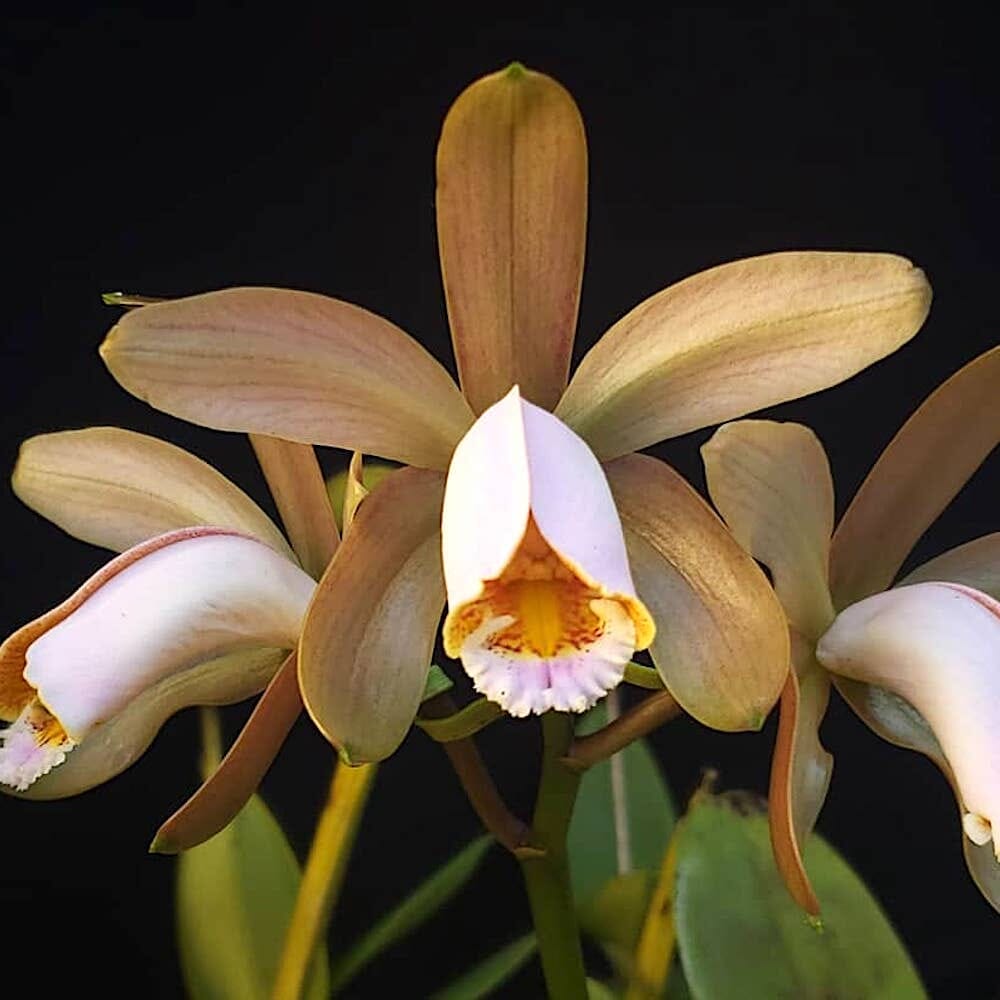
(975, 564)
(116, 488)
(114, 745)
(227, 789)
(369, 634)
(924, 466)
(296, 482)
(800, 771)
(740, 337)
(511, 216)
(292, 365)
(721, 643)
(771, 483)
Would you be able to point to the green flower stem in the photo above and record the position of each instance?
(629, 726)
(644, 677)
(547, 876)
(323, 876)
(465, 722)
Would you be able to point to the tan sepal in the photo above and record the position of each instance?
(293, 365)
(294, 478)
(511, 219)
(740, 337)
(975, 564)
(925, 465)
(369, 632)
(228, 788)
(771, 483)
(800, 771)
(721, 642)
(116, 488)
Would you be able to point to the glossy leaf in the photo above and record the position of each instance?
(489, 975)
(740, 934)
(438, 682)
(596, 990)
(235, 895)
(429, 897)
(613, 915)
(606, 840)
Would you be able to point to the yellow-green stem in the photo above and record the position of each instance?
(547, 876)
(323, 876)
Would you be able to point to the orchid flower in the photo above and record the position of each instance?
(920, 662)
(561, 546)
(202, 607)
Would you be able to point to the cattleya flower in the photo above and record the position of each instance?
(920, 662)
(202, 607)
(545, 605)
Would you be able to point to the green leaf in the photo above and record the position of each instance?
(646, 808)
(490, 974)
(740, 934)
(597, 990)
(437, 683)
(418, 907)
(466, 722)
(375, 470)
(614, 914)
(235, 895)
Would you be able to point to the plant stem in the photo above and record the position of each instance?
(547, 877)
(323, 876)
(637, 721)
(477, 783)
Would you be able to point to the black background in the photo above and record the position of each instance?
(175, 153)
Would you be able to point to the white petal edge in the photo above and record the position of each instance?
(201, 595)
(115, 745)
(568, 683)
(938, 646)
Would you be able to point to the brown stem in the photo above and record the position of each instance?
(479, 787)
(637, 721)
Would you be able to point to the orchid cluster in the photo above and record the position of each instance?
(524, 514)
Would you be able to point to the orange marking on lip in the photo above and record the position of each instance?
(549, 602)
